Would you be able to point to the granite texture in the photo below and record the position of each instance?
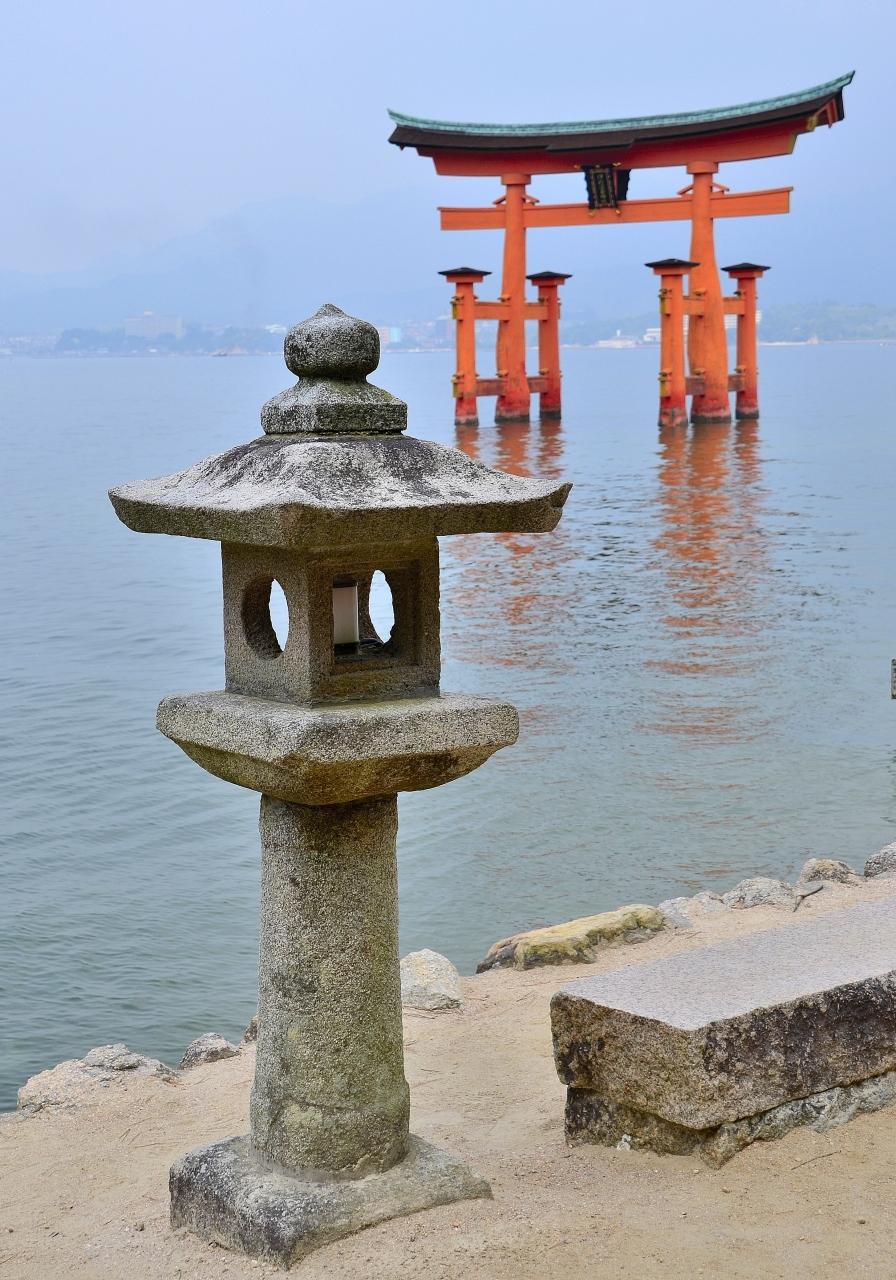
(340, 752)
(883, 862)
(590, 1119)
(307, 667)
(329, 1091)
(828, 869)
(292, 490)
(74, 1082)
(329, 732)
(210, 1047)
(331, 353)
(332, 344)
(759, 891)
(429, 981)
(333, 468)
(574, 941)
(685, 913)
(226, 1195)
(731, 1030)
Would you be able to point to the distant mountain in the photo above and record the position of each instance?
(380, 257)
(268, 263)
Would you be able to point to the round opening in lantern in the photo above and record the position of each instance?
(380, 607)
(265, 615)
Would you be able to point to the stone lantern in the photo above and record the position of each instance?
(329, 726)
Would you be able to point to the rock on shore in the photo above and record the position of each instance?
(576, 940)
(429, 981)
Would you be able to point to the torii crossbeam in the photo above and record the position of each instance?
(607, 151)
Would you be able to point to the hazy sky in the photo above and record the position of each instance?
(126, 125)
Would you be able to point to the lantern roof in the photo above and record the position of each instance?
(334, 467)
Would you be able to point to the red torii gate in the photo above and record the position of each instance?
(607, 151)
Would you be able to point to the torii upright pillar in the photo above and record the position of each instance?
(513, 402)
(707, 343)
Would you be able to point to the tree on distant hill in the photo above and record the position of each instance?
(827, 321)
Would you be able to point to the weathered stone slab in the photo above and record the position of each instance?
(736, 1029)
(226, 1195)
(590, 1119)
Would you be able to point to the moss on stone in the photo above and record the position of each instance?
(576, 941)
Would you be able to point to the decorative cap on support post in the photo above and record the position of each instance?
(473, 274)
(671, 266)
(745, 269)
(329, 726)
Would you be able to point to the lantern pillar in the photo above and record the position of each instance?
(329, 873)
(548, 284)
(707, 343)
(463, 312)
(672, 378)
(329, 726)
(747, 399)
(513, 403)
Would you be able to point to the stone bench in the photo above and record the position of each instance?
(709, 1050)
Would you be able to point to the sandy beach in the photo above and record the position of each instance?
(84, 1189)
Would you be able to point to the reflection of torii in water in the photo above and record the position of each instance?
(518, 449)
(713, 549)
(607, 151)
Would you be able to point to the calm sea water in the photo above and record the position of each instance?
(700, 654)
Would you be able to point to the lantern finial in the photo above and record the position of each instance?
(331, 353)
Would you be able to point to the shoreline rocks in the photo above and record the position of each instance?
(429, 981)
(73, 1081)
(576, 940)
(829, 869)
(759, 891)
(210, 1047)
(883, 862)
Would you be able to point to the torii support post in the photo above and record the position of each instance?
(746, 274)
(673, 381)
(463, 311)
(707, 343)
(548, 284)
(513, 401)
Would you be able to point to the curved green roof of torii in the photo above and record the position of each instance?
(416, 131)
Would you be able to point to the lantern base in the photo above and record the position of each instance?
(226, 1194)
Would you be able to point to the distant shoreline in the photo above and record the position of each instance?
(608, 345)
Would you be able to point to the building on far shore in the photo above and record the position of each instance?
(652, 334)
(150, 326)
(390, 334)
